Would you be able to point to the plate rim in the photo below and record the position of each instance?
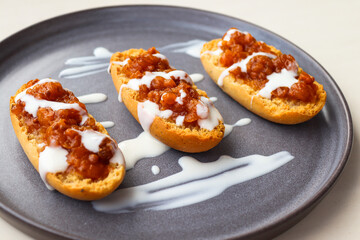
(275, 227)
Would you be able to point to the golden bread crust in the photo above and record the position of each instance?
(276, 110)
(177, 137)
(70, 184)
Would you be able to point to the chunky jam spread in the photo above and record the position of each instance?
(61, 128)
(146, 62)
(241, 45)
(173, 94)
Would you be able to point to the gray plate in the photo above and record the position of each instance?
(260, 208)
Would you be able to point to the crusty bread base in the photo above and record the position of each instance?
(177, 137)
(276, 110)
(69, 184)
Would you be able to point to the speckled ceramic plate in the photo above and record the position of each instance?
(260, 208)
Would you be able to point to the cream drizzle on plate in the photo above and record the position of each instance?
(155, 170)
(197, 77)
(151, 147)
(241, 122)
(188, 186)
(99, 61)
(107, 124)
(191, 48)
(92, 98)
(143, 146)
(197, 182)
(88, 65)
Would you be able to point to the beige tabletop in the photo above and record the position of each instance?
(329, 30)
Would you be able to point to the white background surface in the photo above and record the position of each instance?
(328, 30)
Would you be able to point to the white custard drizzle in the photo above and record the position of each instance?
(251, 101)
(197, 77)
(230, 32)
(149, 76)
(143, 146)
(99, 62)
(213, 99)
(76, 72)
(151, 147)
(179, 120)
(159, 55)
(121, 63)
(180, 98)
(52, 160)
(241, 122)
(242, 65)
(107, 124)
(118, 158)
(191, 48)
(87, 65)
(91, 139)
(202, 110)
(155, 170)
(285, 78)
(33, 104)
(92, 98)
(197, 182)
(147, 111)
(217, 52)
(213, 118)
(210, 116)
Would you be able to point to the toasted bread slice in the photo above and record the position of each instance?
(177, 136)
(69, 183)
(275, 109)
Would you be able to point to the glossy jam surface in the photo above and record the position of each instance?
(239, 46)
(146, 62)
(242, 45)
(60, 128)
(173, 94)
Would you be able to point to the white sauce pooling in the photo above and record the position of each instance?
(92, 98)
(151, 147)
(143, 146)
(285, 78)
(147, 111)
(196, 182)
(91, 139)
(179, 120)
(118, 158)
(213, 117)
(52, 160)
